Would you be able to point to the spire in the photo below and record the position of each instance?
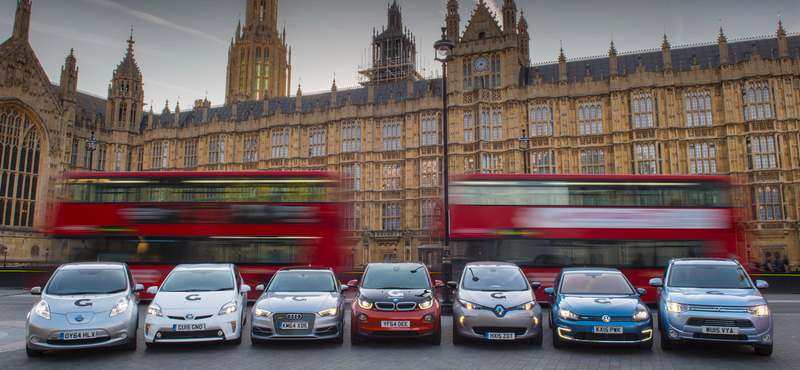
(721, 38)
(22, 20)
(395, 18)
(523, 40)
(724, 58)
(613, 49)
(665, 44)
(299, 90)
(612, 59)
(666, 53)
(781, 31)
(69, 78)
(562, 65)
(128, 67)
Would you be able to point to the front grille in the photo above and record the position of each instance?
(406, 306)
(719, 336)
(384, 306)
(698, 321)
(613, 318)
(294, 318)
(717, 308)
(188, 334)
(481, 330)
(183, 318)
(77, 342)
(601, 336)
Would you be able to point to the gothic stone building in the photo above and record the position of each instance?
(724, 107)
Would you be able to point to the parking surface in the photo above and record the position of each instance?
(401, 354)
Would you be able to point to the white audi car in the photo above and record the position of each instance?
(204, 302)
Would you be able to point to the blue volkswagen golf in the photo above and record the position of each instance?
(598, 305)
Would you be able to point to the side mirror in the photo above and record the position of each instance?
(760, 284)
(260, 287)
(138, 288)
(344, 287)
(152, 290)
(245, 288)
(438, 284)
(535, 285)
(353, 283)
(656, 282)
(452, 284)
(36, 290)
(642, 291)
(549, 291)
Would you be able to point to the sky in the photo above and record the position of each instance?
(182, 45)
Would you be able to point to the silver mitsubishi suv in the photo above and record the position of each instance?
(712, 300)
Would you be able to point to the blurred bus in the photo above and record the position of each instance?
(155, 220)
(635, 223)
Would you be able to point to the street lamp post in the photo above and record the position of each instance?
(524, 143)
(91, 145)
(444, 48)
(4, 249)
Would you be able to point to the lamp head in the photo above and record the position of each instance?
(443, 47)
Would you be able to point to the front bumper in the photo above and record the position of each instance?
(43, 335)
(162, 329)
(582, 331)
(268, 328)
(688, 326)
(476, 323)
(418, 326)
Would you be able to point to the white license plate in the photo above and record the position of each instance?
(395, 324)
(607, 329)
(294, 325)
(73, 335)
(501, 336)
(188, 327)
(720, 330)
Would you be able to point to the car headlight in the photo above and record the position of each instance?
(261, 312)
(526, 306)
(469, 305)
(367, 305)
(641, 314)
(760, 310)
(120, 307)
(229, 307)
(426, 304)
(676, 307)
(42, 309)
(568, 315)
(154, 310)
(329, 312)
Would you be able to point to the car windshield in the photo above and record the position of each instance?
(396, 276)
(708, 276)
(595, 283)
(198, 281)
(494, 279)
(302, 281)
(87, 281)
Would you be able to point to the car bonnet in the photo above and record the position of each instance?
(82, 303)
(298, 301)
(494, 298)
(193, 300)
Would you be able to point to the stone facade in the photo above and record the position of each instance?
(725, 107)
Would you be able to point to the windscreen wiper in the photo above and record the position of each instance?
(474, 278)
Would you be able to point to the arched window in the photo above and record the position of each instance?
(20, 148)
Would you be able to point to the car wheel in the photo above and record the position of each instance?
(236, 341)
(457, 338)
(131, 346)
(666, 343)
(437, 338)
(32, 352)
(151, 345)
(354, 339)
(557, 343)
(659, 321)
(763, 350)
(536, 341)
(647, 346)
(257, 341)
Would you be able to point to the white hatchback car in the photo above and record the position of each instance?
(204, 302)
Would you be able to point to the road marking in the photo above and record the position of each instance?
(783, 301)
(17, 324)
(12, 346)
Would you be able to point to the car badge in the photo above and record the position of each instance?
(395, 300)
(189, 317)
(80, 318)
(499, 311)
(605, 318)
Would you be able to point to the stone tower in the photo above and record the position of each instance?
(258, 66)
(125, 94)
(394, 53)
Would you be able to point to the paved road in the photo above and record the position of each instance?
(400, 354)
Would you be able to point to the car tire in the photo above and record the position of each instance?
(32, 352)
(659, 321)
(130, 346)
(257, 341)
(647, 346)
(763, 350)
(667, 344)
(354, 339)
(437, 337)
(338, 339)
(536, 341)
(151, 345)
(236, 341)
(557, 343)
(457, 338)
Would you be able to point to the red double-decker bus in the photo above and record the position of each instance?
(155, 220)
(634, 223)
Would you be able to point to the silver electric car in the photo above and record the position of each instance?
(84, 305)
(712, 300)
(299, 303)
(494, 301)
